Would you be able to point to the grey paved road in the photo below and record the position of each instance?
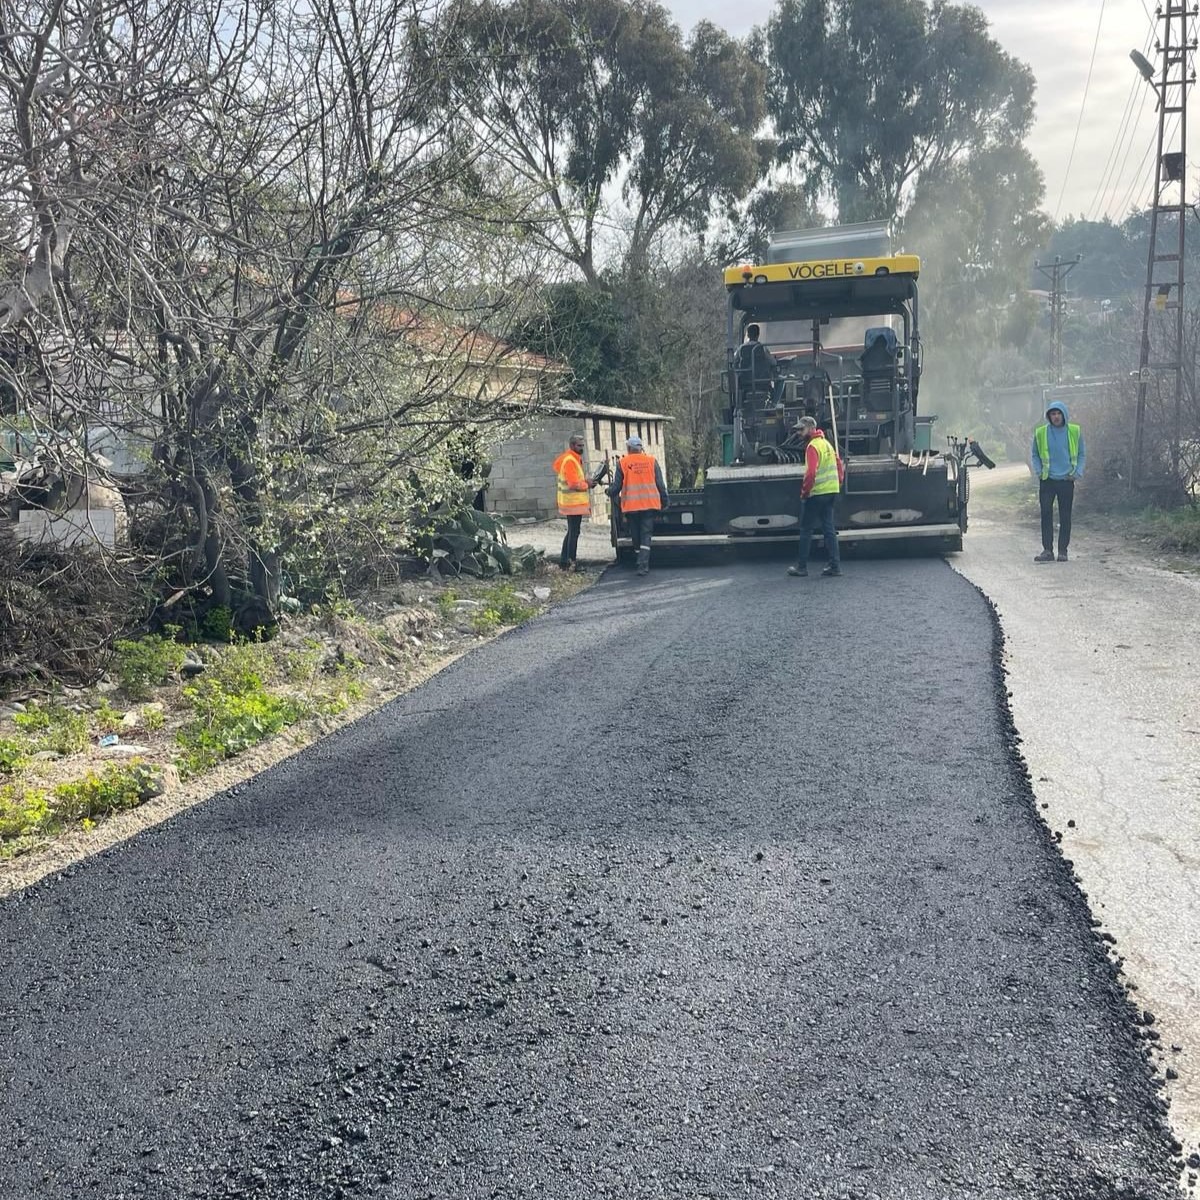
(620, 905)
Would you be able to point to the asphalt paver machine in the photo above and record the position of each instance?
(839, 315)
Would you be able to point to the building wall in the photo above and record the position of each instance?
(522, 480)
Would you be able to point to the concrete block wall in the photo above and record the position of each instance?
(89, 528)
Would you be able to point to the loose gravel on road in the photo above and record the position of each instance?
(711, 884)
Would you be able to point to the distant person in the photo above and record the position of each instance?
(823, 476)
(573, 500)
(639, 485)
(1057, 458)
(756, 366)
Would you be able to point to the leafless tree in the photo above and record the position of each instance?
(251, 233)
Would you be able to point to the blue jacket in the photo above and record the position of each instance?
(1060, 452)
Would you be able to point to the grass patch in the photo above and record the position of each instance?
(1175, 530)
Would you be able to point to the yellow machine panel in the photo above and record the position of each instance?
(838, 268)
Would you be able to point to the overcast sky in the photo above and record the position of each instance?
(1055, 37)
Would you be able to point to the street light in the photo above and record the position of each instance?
(1143, 64)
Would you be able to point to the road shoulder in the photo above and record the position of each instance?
(1101, 661)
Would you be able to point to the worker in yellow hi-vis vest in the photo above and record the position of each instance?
(573, 501)
(1057, 459)
(823, 475)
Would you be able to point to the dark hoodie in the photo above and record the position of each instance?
(1058, 446)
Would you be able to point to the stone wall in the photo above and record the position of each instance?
(522, 479)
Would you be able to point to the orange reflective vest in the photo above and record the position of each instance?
(568, 466)
(639, 487)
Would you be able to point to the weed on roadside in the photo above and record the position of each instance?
(1176, 530)
(144, 664)
(53, 727)
(231, 715)
(30, 814)
(14, 755)
(501, 606)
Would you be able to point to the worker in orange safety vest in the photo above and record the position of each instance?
(638, 482)
(573, 500)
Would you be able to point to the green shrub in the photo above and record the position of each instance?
(53, 727)
(243, 667)
(13, 755)
(117, 787)
(146, 664)
(34, 719)
(501, 606)
(217, 624)
(511, 609)
(229, 721)
(301, 666)
(28, 812)
(24, 811)
(447, 604)
(485, 620)
(153, 718)
(106, 717)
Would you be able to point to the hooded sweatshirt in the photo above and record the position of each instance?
(1057, 444)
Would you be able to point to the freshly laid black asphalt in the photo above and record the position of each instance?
(712, 884)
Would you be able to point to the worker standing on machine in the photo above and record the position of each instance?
(638, 483)
(824, 472)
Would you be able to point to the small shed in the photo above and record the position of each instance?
(521, 482)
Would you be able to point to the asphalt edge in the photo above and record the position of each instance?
(1156, 1105)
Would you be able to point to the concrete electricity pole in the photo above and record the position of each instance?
(1162, 369)
(1057, 273)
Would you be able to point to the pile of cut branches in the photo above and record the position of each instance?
(60, 612)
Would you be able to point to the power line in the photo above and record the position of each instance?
(1079, 124)
(1137, 181)
(1126, 131)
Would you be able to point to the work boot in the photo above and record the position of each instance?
(1062, 556)
(797, 570)
(643, 560)
(643, 570)
(832, 569)
(1045, 556)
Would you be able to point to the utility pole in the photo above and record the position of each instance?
(1162, 367)
(1057, 273)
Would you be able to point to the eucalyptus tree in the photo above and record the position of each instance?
(624, 128)
(869, 97)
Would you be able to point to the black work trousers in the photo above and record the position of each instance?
(641, 529)
(570, 546)
(1062, 490)
(818, 511)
